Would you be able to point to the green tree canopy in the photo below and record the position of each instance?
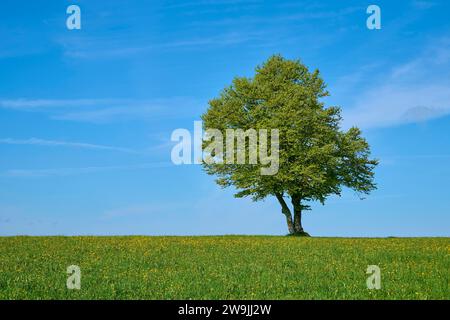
(316, 157)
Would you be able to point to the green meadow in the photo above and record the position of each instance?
(223, 267)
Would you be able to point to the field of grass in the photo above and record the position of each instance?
(229, 267)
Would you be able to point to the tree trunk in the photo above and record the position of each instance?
(297, 204)
(287, 212)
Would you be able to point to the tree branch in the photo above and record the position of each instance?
(284, 207)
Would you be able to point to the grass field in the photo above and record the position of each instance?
(229, 267)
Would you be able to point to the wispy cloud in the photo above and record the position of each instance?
(285, 18)
(393, 105)
(400, 159)
(105, 110)
(145, 209)
(99, 47)
(415, 91)
(54, 143)
(203, 3)
(62, 172)
(423, 4)
(39, 104)
(203, 30)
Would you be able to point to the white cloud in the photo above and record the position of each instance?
(39, 104)
(253, 30)
(393, 105)
(62, 172)
(415, 91)
(145, 209)
(105, 47)
(423, 5)
(54, 143)
(105, 110)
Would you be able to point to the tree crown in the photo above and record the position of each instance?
(316, 157)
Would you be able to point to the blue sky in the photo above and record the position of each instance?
(86, 115)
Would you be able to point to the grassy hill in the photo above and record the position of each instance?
(227, 267)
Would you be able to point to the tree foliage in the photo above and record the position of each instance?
(316, 157)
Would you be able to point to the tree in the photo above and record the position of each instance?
(316, 158)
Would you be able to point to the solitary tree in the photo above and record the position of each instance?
(316, 158)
